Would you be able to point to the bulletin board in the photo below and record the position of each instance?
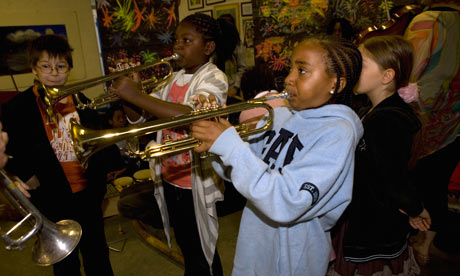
(136, 31)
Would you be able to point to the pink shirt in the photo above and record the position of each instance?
(176, 169)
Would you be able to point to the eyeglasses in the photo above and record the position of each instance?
(47, 69)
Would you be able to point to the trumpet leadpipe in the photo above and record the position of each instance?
(86, 141)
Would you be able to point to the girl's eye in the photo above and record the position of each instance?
(182, 41)
(45, 66)
(302, 71)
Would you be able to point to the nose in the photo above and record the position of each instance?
(177, 45)
(54, 71)
(289, 80)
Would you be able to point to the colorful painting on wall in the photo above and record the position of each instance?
(279, 24)
(228, 9)
(134, 32)
(13, 45)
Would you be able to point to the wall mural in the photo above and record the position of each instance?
(278, 24)
(135, 32)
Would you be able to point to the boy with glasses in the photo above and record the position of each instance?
(45, 161)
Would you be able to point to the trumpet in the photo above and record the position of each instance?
(55, 241)
(53, 95)
(86, 142)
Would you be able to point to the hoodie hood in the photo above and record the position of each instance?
(333, 111)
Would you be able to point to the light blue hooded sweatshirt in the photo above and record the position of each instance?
(297, 179)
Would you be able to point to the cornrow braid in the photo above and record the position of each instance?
(343, 60)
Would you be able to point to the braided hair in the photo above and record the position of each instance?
(209, 28)
(343, 60)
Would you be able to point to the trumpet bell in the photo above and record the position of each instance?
(55, 241)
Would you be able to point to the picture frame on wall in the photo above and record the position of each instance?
(248, 28)
(246, 8)
(195, 4)
(207, 12)
(232, 9)
(211, 2)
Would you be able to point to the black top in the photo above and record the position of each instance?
(33, 155)
(375, 226)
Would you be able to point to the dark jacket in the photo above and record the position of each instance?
(33, 155)
(375, 226)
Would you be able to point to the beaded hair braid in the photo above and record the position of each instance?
(343, 60)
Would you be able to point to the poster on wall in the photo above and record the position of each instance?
(13, 46)
(134, 32)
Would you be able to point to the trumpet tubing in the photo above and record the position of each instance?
(54, 241)
(54, 94)
(86, 141)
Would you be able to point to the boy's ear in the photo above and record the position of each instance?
(388, 76)
(209, 47)
(343, 83)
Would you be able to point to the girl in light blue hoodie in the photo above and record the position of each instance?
(297, 177)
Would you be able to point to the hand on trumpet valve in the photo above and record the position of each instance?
(125, 87)
(207, 132)
(201, 102)
(25, 187)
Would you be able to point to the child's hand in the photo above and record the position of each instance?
(3, 142)
(30, 184)
(125, 87)
(207, 132)
(201, 101)
(422, 222)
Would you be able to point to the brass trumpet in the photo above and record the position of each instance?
(55, 241)
(86, 141)
(54, 94)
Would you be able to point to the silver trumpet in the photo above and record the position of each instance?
(55, 241)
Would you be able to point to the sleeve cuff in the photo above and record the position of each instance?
(138, 121)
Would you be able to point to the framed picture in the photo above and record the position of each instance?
(248, 27)
(246, 9)
(195, 4)
(208, 12)
(210, 2)
(228, 9)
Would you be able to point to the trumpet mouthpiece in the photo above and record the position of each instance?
(174, 56)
